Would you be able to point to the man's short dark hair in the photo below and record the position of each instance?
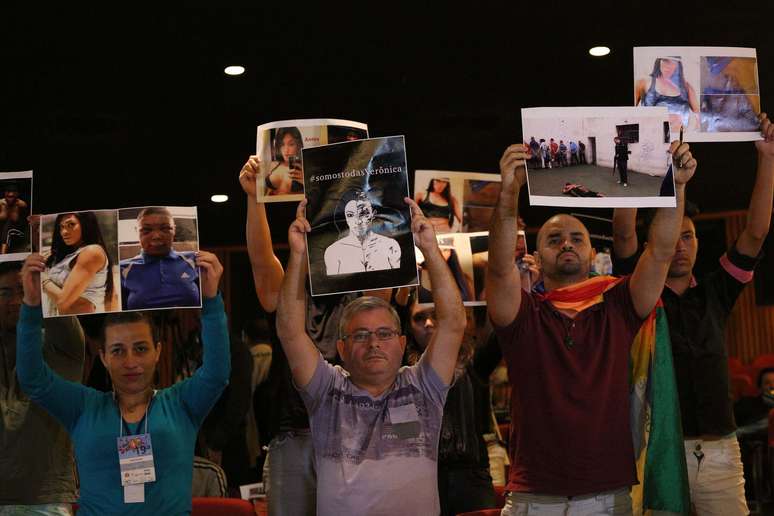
(114, 319)
(691, 211)
(11, 187)
(257, 330)
(155, 210)
(764, 372)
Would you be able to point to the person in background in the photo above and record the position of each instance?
(697, 312)
(37, 473)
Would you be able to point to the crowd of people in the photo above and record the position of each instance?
(542, 154)
(380, 404)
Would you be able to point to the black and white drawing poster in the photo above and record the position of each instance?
(361, 226)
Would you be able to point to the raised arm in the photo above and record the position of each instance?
(302, 354)
(90, 261)
(203, 389)
(649, 275)
(503, 282)
(444, 345)
(63, 399)
(625, 232)
(759, 212)
(266, 267)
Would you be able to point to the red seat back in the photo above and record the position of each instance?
(741, 386)
(221, 507)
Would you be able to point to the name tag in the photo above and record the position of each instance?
(405, 421)
(135, 459)
(403, 414)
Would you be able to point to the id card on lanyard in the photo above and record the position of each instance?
(135, 460)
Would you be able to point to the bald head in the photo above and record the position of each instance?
(564, 251)
(560, 221)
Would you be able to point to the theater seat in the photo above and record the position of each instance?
(221, 507)
(741, 385)
(499, 495)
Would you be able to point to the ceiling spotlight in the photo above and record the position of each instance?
(219, 198)
(234, 70)
(599, 51)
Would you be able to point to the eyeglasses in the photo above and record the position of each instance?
(363, 336)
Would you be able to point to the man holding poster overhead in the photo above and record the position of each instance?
(375, 424)
(568, 353)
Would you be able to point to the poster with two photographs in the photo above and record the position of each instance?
(279, 148)
(456, 201)
(119, 260)
(15, 208)
(361, 225)
(599, 157)
(467, 255)
(713, 92)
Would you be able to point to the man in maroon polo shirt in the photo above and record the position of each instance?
(571, 445)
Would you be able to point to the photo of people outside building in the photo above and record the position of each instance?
(599, 157)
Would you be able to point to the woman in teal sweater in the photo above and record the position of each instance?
(96, 419)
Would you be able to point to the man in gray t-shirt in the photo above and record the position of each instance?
(375, 425)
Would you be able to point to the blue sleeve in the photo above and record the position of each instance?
(65, 400)
(204, 388)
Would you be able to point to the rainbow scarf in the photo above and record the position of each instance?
(654, 405)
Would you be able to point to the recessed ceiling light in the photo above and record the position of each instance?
(599, 51)
(219, 198)
(234, 70)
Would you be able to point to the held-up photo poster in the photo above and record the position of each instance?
(467, 255)
(456, 202)
(713, 92)
(279, 148)
(361, 226)
(119, 260)
(15, 207)
(599, 157)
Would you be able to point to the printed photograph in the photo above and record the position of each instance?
(279, 148)
(81, 253)
(730, 101)
(467, 255)
(598, 156)
(157, 251)
(15, 207)
(361, 226)
(711, 91)
(456, 201)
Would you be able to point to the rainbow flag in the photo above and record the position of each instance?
(657, 432)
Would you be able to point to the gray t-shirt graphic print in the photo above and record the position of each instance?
(376, 455)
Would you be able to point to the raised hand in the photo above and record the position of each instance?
(33, 266)
(298, 229)
(513, 168)
(424, 234)
(766, 146)
(212, 270)
(251, 170)
(683, 162)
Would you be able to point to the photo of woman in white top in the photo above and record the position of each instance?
(78, 277)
